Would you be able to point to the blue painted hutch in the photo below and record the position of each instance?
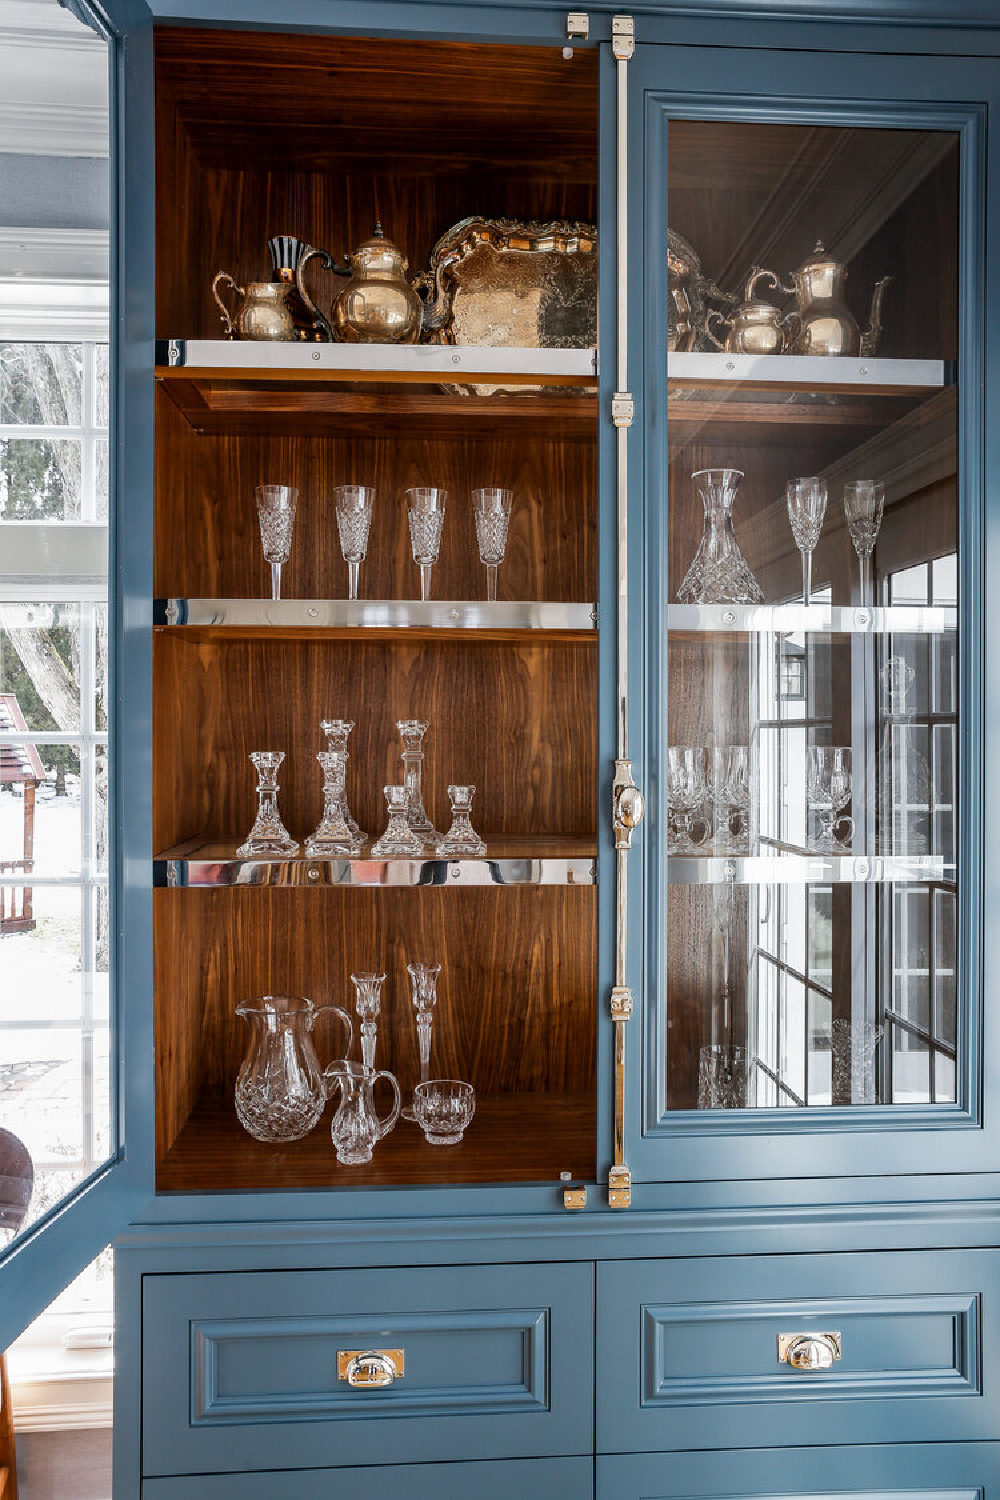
(725, 1222)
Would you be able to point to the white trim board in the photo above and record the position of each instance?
(48, 311)
(57, 254)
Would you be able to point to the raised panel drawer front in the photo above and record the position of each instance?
(688, 1350)
(525, 1479)
(240, 1370)
(927, 1471)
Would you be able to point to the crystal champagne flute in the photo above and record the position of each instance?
(425, 510)
(353, 504)
(806, 508)
(276, 514)
(863, 503)
(492, 509)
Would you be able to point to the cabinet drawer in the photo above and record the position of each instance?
(927, 1471)
(687, 1350)
(240, 1371)
(527, 1479)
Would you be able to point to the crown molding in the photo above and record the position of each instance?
(30, 129)
(49, 311)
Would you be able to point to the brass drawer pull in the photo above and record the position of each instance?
(809, 1351)
(370, 1369)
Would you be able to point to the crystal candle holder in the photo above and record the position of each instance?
(334, 837)
(368, 1004)
(412, 733)
(423, 993)
(461, 837)
(399, 841)
(337, 732)
(268, 836)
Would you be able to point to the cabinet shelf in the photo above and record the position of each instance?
(304, 619)
(529, 860)
(809, 869)
(814, 619)
(513, 1138)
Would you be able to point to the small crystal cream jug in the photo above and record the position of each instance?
(356, 1124)
(281, 1090)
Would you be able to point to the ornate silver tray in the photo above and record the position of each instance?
(510, 284)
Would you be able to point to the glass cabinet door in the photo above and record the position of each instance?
(811, 328)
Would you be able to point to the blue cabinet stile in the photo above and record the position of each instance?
(630, 1353)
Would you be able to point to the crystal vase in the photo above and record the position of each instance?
(718, 573)
(268, 836)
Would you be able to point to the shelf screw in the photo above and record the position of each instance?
(730, 365)
(453, 614)
(456, 359)
(729, 618)
(313, 613)
(455, 871)
(316, 355)
(313, 874)
(864, 369)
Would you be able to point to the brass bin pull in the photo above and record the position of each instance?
(370, 1369)
(809, 1351)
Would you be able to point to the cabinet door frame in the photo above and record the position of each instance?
(46, 1257)
(846, 90)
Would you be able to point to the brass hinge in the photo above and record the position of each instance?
(575, 1197)
(622, 408)
(627, 804)
(577, 26)
(621, 1003)
(622, 37)
(619, 1188)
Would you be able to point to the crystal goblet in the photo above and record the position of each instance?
(864, 500)
(806, 500)
(276, 505)
(686, 789)
(492, 508)
(353, 504)
(268, 836)
(828, 779)
(444, 1108)
(425, 510)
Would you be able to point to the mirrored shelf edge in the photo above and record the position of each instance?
(812, 371)
(413, 362)
(533, 860)
(809, 869)
(306, 616)
(813, 619)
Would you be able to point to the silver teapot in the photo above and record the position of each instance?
(821, 322)
(756, 327)
(378, 305)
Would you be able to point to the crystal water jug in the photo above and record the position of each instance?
(281, 1090)
(356, 1123)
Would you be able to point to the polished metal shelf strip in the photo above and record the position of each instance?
(377, 614)
(817, 619)
(201, 872)
(809, 370)
(448, 360)
(808, 869)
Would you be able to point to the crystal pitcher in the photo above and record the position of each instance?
(356, 1124)
(280, 1091)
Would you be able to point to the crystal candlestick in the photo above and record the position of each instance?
(492, 511)
(268, 834)
(337, 731)
(425, 509)
(423, 993)
(334, 836)
(276, 514)
(412, 732)
(461, 837)
(354, 519)
(368, 1003)
(399, 841)
(864, 500)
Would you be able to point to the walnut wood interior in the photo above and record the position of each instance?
(516, 1013)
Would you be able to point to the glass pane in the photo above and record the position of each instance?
(811, 560)
(40, 479)
(102, 385)
(41, 385)
(41, 827)
(40, 667)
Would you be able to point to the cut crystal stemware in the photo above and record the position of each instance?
(443, 1108)
(368, 1003)
(864, 500)
(337, 731)
(268, 835)
(461, 837)
(492, 509)
(686, 789)
(276, 514)
(353, 504)
(423, 993)
(334, 837)
(806, 508)
(399, 841)
(425, 509)
(828, 773)
(412, 733)
(719, 573)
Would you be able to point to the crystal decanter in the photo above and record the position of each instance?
(719, 573)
